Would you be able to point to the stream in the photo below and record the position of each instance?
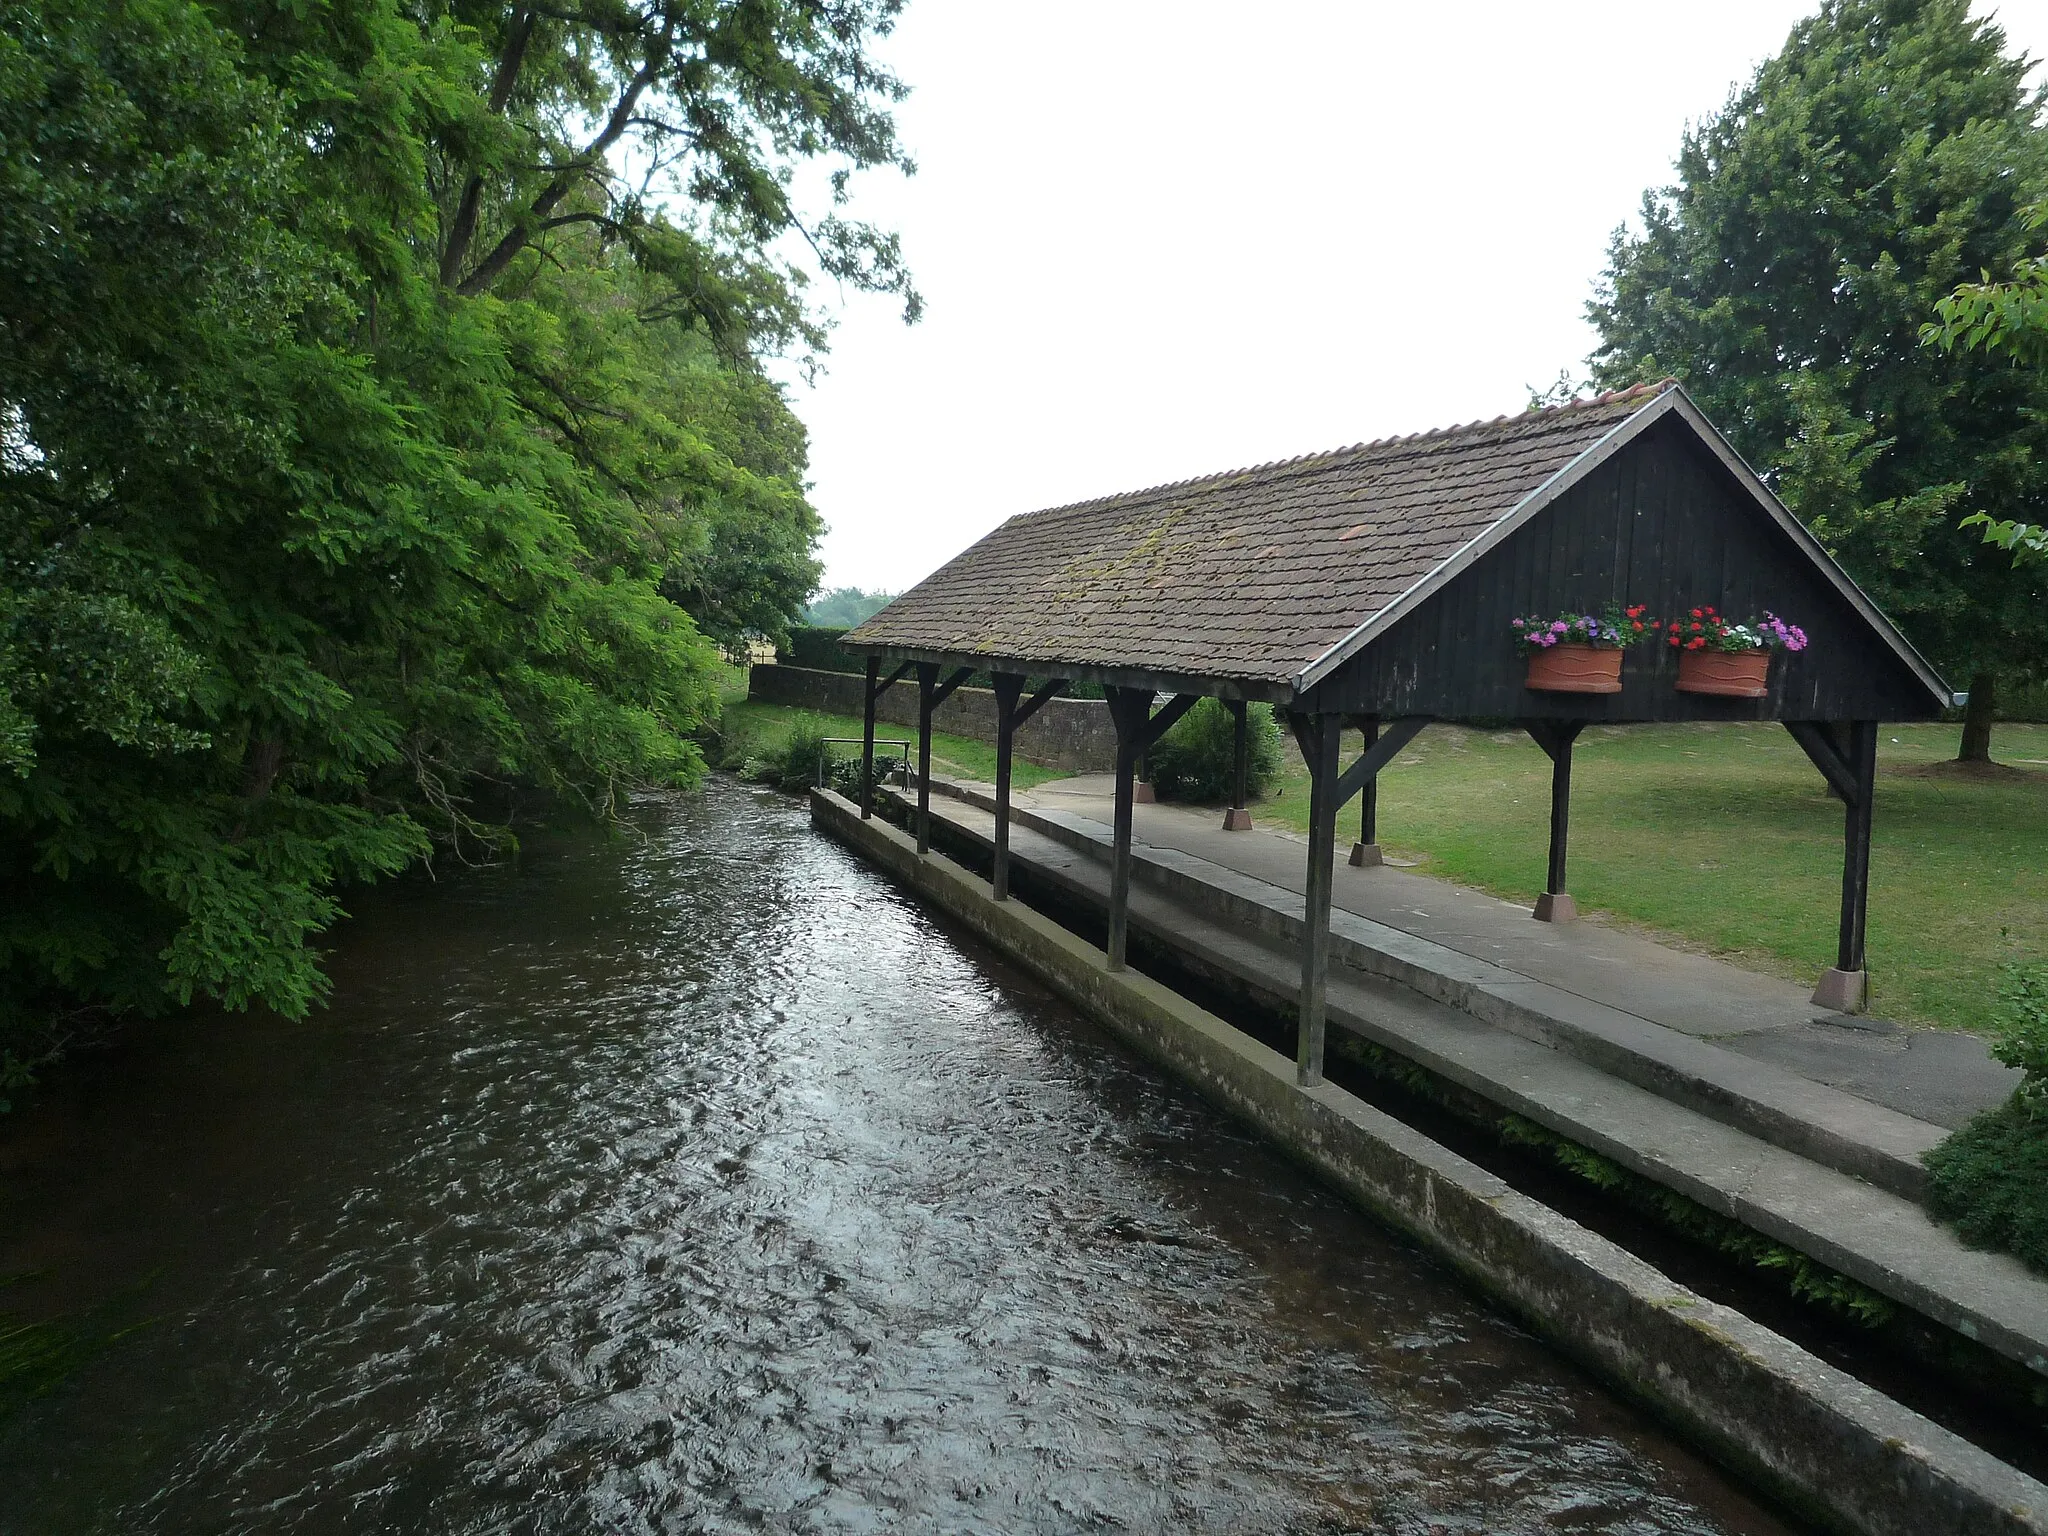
(696, 1180)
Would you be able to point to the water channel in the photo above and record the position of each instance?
(698, 1181)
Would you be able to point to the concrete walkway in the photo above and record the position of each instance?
(1831, 1174)
(1938, 1076)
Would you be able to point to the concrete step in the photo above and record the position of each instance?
(1824, 1124)
(1871, 1234)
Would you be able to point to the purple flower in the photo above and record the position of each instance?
(1557, 626)
(1790, 636)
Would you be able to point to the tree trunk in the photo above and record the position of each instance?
(1976, 747)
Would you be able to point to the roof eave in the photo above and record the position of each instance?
(1269, 690)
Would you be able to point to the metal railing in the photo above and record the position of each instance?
(826, 743)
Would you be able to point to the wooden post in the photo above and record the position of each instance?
(1136, 729)
(1856, 847)
(867, 738)
(1322, 736)
(1846, 755)
(1009, 686)
(1239, 817)
(1846, 987)
(1128, 713)
(927, 685)
(1365, 853)
(1555, 737)
(1560, 817)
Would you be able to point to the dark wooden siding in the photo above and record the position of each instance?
(1661, 523)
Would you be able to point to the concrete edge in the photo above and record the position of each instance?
(1811, 1119)
(1816, 1438)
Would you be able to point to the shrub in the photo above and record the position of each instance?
(817, 646)
(843, 773)
(792, 763)
(1195, 760)
(1990, 1179)
(2021, 1039)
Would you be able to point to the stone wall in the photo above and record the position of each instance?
(1074, 734)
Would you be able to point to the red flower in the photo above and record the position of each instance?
(1694, 645)
(1695, 629)
(1698, 615)
(1639, 626)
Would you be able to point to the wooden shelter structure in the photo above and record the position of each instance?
(1376, 585)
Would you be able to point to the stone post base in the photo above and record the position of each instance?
(1366, 856)
(1237, 819)
(1141, 794)
(1843, 991)
(1556, 907)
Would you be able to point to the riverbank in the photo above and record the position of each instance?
(1816, 1436)
(1719, 838)
(758, 727)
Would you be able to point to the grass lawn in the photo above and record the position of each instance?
(1722, 836)
(956, 756)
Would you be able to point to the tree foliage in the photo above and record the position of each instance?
(844, 607)
(2009, 317)
(1197, 758)
(373, 447)
(1885, 155)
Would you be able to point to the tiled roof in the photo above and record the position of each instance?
(1248, 575)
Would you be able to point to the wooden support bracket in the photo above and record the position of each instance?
(1823, 743)
(944, 691)
(877, 686)
(1136, 725)
(1045, 693)
(1554, 736)
(1367, 766)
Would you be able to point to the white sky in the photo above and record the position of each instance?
(1162, 239)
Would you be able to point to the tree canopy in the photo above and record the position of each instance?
(844, 607)
(2009, 317)
(1884, 156)
(384, 433)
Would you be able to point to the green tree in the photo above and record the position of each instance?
(844, 607)
(355, 417)
(1882, 157)
(2008, 317)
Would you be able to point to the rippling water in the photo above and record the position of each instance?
(700, 1182)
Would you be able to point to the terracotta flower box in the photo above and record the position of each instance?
(1725, 674)
(1569, 668)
